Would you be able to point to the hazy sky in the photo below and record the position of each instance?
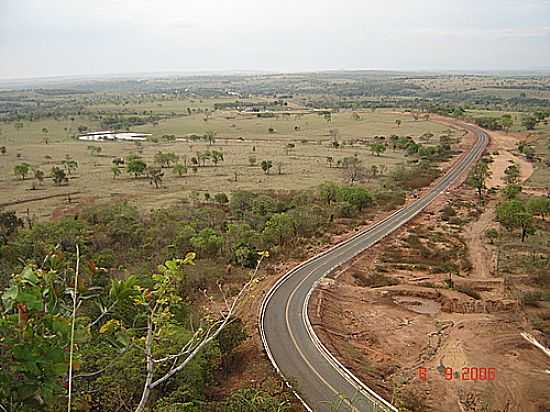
(81, 37)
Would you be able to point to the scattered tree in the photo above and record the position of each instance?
(377, 148)
(155, 175)
(512, 214)
(354, 171)
(478, 177)
(210, 136)
(116, 171)
(266, 165)
(180, 169)
(59, 176)
(22, 170)
(136, 166)
(39, 175)
(512, 174)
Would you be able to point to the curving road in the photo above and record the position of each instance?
(318, 379)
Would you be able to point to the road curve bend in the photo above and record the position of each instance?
(317, 378)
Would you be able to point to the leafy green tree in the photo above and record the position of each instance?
(180, 169)
(136, 166)
(492, 235)
(478, 177)
(159, 303)
(238, 234)
(356, 196)
(166, 159)
(245, 255)
(217, 157)
(529, 122)
(512, 174)
(207, 242)
(221, 198)
(9, 224)
(377, 148)
(3, 150)
(328, 192)
(539, 206)
(22, 170)
(279, 229)
(512, 214)
(116, 171)
(229, 339)
(204, 157)
(70, 165)
(507, 122)
(266, 165)
(511, 191)
(59, 176)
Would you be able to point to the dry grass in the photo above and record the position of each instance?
(304, 167)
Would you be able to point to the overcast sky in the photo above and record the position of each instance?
(89, 37)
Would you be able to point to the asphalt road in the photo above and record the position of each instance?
(319, 380)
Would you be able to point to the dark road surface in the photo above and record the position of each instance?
(290, 342)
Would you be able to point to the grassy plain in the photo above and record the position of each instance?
(240, 137)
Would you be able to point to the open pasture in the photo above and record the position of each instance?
(297, 146)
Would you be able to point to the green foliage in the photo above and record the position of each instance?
(166, 159)
(229, 339)
(136, 166)
(35, 326)
(70, 166)
(221, 198)
(155, 175)
(207, 242)
(279, 229)
(491, 234)
(328, 192)
(266, 165)
(479, 175)
(22, 170)
(217, 156)
(245, 255)
(377, 148)
(356, 196)
(511, 191)
(253, 400)
(529, 122)
(9, 223)
(180, 169)
(513, 214)
(539, 206)
(116, 171)
(59, 176)
(512, 175)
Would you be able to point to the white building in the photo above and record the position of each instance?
(112, 136)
